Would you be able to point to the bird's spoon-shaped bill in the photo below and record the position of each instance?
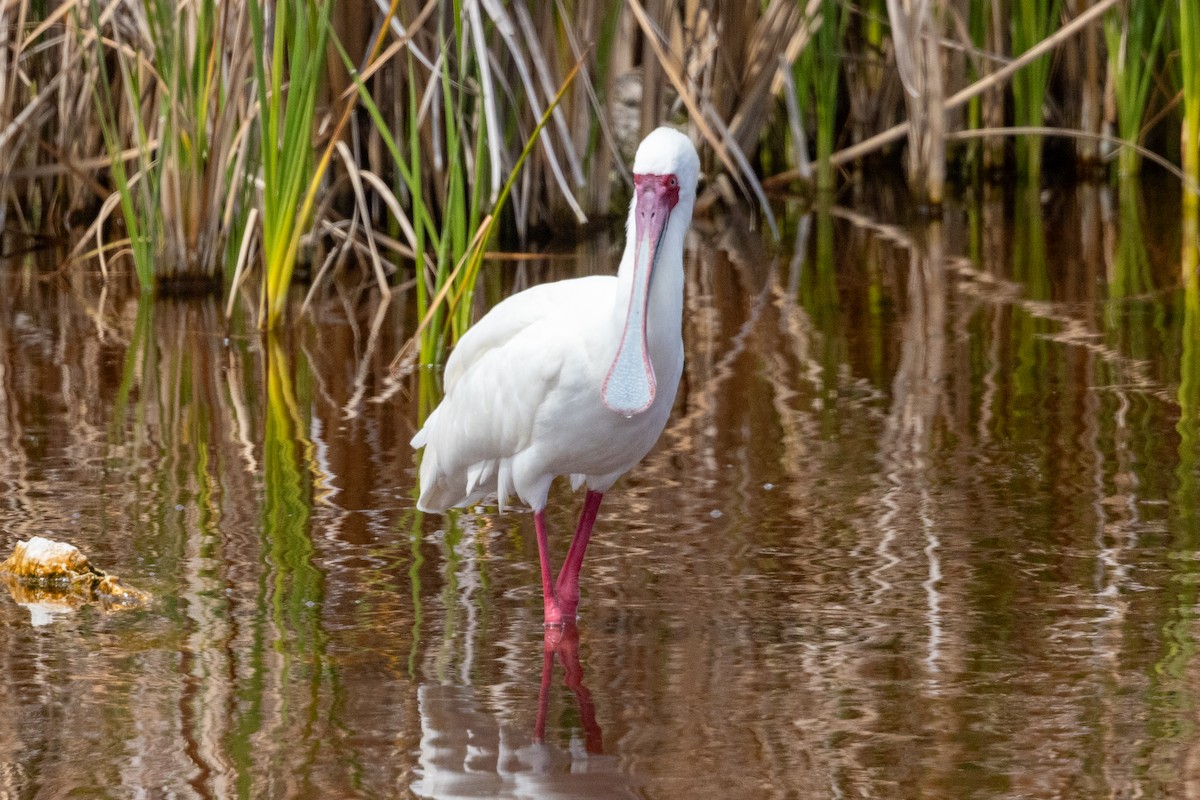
(629, 386)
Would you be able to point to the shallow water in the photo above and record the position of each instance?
(924, 524)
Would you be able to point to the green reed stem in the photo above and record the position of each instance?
(1133, 34)
(1189, 47)
(301, 30)
(977, 28)
(138, 194)
(1032, 22)
(463, 290)
(817, 74)
(171, 102)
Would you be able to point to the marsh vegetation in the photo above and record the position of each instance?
(924, 522)
(231, 147)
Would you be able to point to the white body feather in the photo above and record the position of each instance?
(523, 387)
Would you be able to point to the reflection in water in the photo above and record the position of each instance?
(563, 643)
(924, 524)
(468, 750)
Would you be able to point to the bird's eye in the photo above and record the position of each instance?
(672, 181)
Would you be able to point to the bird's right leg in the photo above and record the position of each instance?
(552, 610)
(566, 588)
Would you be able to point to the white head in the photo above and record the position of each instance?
(665, 152)
(665, 172)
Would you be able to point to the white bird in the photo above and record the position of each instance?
(574, 378)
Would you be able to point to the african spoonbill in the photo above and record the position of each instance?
(574, 378)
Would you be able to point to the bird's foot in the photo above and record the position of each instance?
(563, 603)
(559, 611)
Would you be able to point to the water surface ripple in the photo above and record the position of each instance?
(924, 525)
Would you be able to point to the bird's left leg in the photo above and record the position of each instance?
(566, 588)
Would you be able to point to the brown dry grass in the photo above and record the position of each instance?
(722, 68)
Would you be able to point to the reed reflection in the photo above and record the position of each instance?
(924, 525)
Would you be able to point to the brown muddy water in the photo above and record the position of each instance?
(923, 525)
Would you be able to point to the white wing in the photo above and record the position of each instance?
(497, 379)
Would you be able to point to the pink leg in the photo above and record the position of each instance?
(567, 585)
(553, 613)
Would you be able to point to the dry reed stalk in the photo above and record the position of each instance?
(872, 88)
(510, 59)
(701, 114)
(45, 105)
(740, 59)
(774, 43)
(527, 58)
(993, 99)
(979, 87)
(591, 119)
(656, 17)
(10, 57)
(1070, 133)
(1092, 89)
(725, 60)
(915, 33)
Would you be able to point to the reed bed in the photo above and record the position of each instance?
(236, 146)
(1189, 49)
